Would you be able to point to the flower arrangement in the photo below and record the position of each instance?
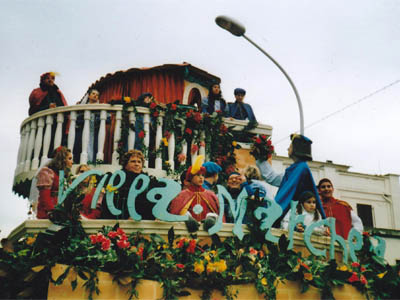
(262, 147)
(181, 262)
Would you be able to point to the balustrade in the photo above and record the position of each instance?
(73, 126)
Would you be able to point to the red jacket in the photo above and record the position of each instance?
(36, 98)
(341, 211)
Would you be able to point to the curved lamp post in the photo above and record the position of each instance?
(238, 29)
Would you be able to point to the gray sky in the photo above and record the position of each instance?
(337, 52)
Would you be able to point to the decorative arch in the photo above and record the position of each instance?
(189, 86)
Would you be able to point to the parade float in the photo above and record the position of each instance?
(67, 257)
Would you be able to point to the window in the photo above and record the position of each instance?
(364, 211)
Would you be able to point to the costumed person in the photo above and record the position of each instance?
(211, 176)
(307, 206)
(214, 101)
(195, 201)
(91, 97)
(48, 181)
(345, 217)
(240, 110)
(132, 165)
(87, 189)
(48, 95)
(297, 177)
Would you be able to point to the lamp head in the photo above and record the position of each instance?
(231, 25)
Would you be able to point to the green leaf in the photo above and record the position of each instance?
(171, 236)
(74, 283)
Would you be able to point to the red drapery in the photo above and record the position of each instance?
(166, 86)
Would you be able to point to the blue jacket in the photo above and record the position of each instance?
(233, 111)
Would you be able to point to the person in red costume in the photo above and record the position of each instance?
(195, 200)
(345, 217)
(48, 95)
(87, 189)
(48, 180)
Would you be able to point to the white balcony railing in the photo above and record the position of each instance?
(47, 130)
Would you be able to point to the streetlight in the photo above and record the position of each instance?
(238, 29)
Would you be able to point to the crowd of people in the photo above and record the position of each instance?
(198, 197)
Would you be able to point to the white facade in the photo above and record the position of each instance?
(381, 192)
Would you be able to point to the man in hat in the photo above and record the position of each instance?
(240, 110)
(48, 95)
(195, 201)
(297, 177)
(211, 176)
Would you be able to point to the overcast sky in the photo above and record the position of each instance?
(338, 53)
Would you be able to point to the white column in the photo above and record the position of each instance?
(47, 139)
(158, 164)
(72, 130)
(171, 151)
(29, 148)
(117, 137)
(21, 151)
(59, 132)
(193, 155)
(146, 122)
(85, 137)
(202, 150)
(38, 144)
(184, 151)
(132, 134)
(102, 135)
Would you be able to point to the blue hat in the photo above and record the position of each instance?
(212, 167)
(238, 91)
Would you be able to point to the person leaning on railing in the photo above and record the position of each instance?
(48, 95)
(48, 180)
(214, 101)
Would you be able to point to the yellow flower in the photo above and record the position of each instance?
(127, 99)
(220, 266)
(264, 281)
(93, 180)
(199, 267)
(343, 268)
(234, 143)
(210, 267)
(207, 257)
(167, 162)
(30, 240)
(380, 275)
(110, 188)
(308, 276)
(165, 141)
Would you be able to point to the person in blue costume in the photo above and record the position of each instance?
(211, 176)
(214, 101)
(296, 179)
(240, 110)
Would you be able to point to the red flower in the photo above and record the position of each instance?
(218, 111)
(253, 251)
(363, 269)
(120, 231)
(258, 140)
(192, 246)
(353, 278)
(140, 253)
(112, 234)
(167, 134)
(141, 134)
(355, 264)
(155, 114)
(366, 233)
(197, 117)
(363, 280)
(189, 113)
(180, 266)
(194, 149)
(305, 266)
(223, 129)
(123, 244)
(264, 137)
(188, 131)
(173, 106)
(181, 243)
(269, 143)
(93, 238)
(153, 105)
(105, 245)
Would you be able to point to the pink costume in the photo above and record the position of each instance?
(47, 183)
(190, 199)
